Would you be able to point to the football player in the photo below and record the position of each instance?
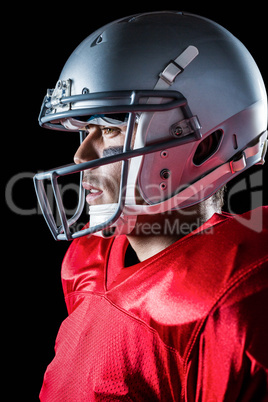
(166, 294)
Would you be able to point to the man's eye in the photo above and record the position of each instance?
(110, 130)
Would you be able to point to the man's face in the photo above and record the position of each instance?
(102, 182)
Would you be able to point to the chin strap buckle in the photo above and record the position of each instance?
(264, 151)
(260, 148)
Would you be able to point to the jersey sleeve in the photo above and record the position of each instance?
(233, 359)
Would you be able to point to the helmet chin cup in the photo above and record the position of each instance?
(99, 214)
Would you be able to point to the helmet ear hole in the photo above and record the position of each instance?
(207, 147)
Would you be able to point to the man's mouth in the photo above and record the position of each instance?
(93, 194)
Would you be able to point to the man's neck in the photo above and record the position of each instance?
(154, 233)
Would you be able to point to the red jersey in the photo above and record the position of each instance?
(188, 324)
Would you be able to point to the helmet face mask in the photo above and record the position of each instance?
(106, 216)
(186, 132)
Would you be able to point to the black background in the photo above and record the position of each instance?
(36, 42)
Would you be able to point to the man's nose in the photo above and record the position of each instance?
(87, 151)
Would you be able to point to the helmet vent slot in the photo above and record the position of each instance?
(235, 144)
(98, 40)
(207, 147)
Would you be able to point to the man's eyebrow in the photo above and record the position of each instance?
(112, 151)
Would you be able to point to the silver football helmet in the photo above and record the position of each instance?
(192, 103)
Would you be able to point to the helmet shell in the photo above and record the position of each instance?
(223, 87)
